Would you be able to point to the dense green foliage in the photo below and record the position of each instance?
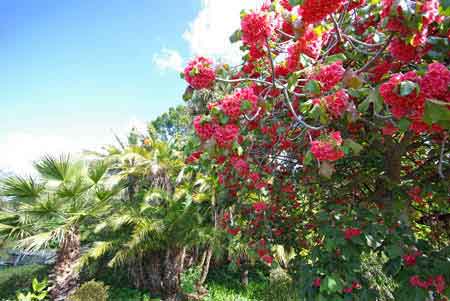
(20, 278)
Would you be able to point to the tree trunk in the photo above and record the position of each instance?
(171, 275)
(205, 267)
(64, 276)
(244, 270)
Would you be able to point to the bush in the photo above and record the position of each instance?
(17, 279)
(90, 291)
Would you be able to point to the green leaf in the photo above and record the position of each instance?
(407, 87)
(403, 124)
(308, 159)
(292, 81)
(436, 113)
(223, 119)
(354, 146)
(377, 100)
(312, 87)
(330, 285)
(364, 105)
(393, 266)
(236, 36)
(246, 105)
(335, 58)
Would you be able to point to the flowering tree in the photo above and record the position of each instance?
(331, 138)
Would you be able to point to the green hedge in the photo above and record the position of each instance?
(13, 279)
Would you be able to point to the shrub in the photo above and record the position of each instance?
(16, 279)
(90, 291)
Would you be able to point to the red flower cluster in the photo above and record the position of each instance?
(349, 233)
(225, 135)
(337, 103)
(255, 28)
(240, 165)
(329, 76)
(259, 207)
(231, 105)
(193, 157)
(410, 259)
(410, 105)
(203, 129)
(199, 73)
(313, 11)
(438, 282)
(435, 83)
(310, 44)
(328, 149)
(316, 282)
(415, 194)
(404, 52)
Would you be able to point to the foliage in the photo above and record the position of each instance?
(331, 139)
(19, 278)
(39, 291)
(90, 291)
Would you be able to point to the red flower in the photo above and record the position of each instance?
(203, 129)
(313, 11)
(199, 73)
(439, 283)
(348, 290)
(434, 83)
(259, 206)
(414, 193)
(327, 150)
(351, 232)
(316, 282)
(329, 76)
(224, 135)
(194, 157)
(234, 231)
(267, 258)
(255, 28)
(337, 103)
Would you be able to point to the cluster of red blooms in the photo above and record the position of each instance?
(434, 84)
(337, 103)
(309, 44)
(389, 129)
(231, 105)
(349, 289)
(199, 73)
(255, 28)
(410, 259)
(438, 282)
(328, 149)
(415, 194)
(349, 233)
(263, 252)
(314, 11)
(194, 157)
(400, 48)
(329, 76)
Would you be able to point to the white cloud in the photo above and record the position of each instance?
(209, 33)
(19, 149)
(168, 59)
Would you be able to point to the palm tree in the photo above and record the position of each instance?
(159, 219)
(52, 209)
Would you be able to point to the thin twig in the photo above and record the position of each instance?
(376, 56)
(269, 52)
(441, 158)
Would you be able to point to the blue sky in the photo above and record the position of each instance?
(73, 70)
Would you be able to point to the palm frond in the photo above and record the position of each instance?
(97, 170)
(21, 189)
(54, 168)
